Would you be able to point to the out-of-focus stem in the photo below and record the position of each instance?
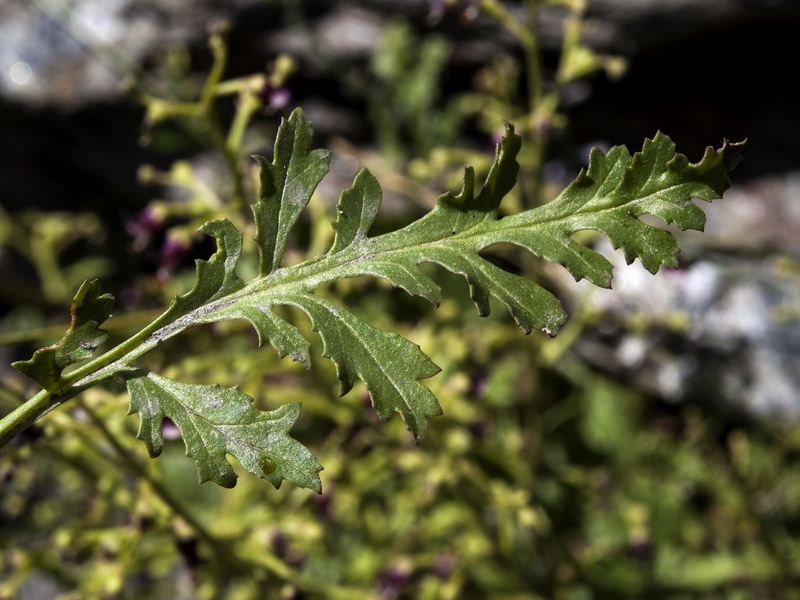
(249, 103)
(527, 34)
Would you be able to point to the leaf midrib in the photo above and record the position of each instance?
(304, 277)
(216, 427)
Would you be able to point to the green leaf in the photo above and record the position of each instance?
(356, 211)
(609, 196)
(216, 277)
(287, 184)
(389, 365)
(89, 311)
(612, 194)
(215, 421)
(447, 236)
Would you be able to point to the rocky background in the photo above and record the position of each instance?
(699, 71)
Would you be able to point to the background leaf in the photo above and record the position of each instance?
(89, 310)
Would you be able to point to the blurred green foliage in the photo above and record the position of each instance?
(545, 480)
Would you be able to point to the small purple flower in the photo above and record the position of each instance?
(467, 9)
(275, 98)
(172, 255)
(497, 138)
(392, 581)
(443, 566)
(169, 430)
(143, 228)
(478, 382)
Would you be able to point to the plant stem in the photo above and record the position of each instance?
(533, 57)
(77, 381)
(220, 547)
(158, 487)
(301, 278)
(219, 52)
(28, 413)
(206, 105)
(528, 37)
(249, 103)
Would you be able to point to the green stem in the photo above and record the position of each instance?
(206, 104)
(219, 52)
(537, 107)
(249, 103)
(24, 416)
(79, 380)
(43, 256)
(533, 56)
(527, 36)
(237, 200)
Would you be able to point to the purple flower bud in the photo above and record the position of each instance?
(169, 430)
(275, 98)
(392, 580)
(443, 566)
(172, 255)
(436, 11)
(143, 228)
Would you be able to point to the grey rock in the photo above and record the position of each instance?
(737, 342)
(69, 53)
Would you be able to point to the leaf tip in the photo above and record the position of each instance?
(732, 153)
(261, 160)
(226, 480)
